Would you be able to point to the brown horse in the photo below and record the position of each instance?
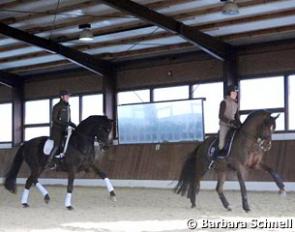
(249, 145)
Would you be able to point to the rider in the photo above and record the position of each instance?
(228, 116)
(60, 120)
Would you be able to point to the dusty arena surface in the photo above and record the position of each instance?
(137, 210)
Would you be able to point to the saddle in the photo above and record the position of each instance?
(213, 148)
(48, 146)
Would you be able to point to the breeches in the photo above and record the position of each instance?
(222, 136)
(57, 135)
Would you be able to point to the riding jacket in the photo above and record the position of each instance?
(228, 112)
(61, 115)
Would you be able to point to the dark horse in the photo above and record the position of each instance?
(79, 156)
(250, 143)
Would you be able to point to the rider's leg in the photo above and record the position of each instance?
(222, 136)
(57, 137)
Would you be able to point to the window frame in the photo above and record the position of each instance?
(275, 110)
(50, 98)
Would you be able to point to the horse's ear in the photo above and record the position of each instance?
(275, 118)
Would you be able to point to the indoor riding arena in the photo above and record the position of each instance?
(147, 115)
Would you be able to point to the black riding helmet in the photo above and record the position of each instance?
(64, 93)
(232, 88)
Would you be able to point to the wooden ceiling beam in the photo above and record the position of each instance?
(258, 33)
(9, 79)
(247, 19)
(210, 45)
(87, 4)
(37, 15)
(166, 48)
(100, 67)
(140, 25)
(145, 38)
(128, 26)
(183, 16)
(15, 3)
(134, 53)
(130, 40)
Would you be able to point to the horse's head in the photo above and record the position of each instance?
(263, 126)
(103, 132)
(97, 126)
(265, 132)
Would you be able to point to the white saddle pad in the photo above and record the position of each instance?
(48, 146)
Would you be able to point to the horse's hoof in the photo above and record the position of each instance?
(25, 205)
(247, 210)
(283, 193)
(70, 207)
(193, 206)
(46, 198)
(228, 208)
(113, 196)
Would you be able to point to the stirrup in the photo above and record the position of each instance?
(211, 164)
(52, 167)
(60, 156)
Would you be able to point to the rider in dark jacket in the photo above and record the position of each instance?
(60, 120)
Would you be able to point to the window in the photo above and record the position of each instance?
(33, 132)
(291, 99)
(262, 93)
(37, 112)
(213, 92)
(92, 105)
(171, 93)
(280, 122)
(36, 118)
(6, 122)
(137, 96)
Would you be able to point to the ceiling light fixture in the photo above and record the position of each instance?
(85, 34)
(230, 7)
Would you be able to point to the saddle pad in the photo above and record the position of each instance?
(227, 147)
(48, 145)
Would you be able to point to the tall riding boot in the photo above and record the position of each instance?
(50, 162)
(216, 154)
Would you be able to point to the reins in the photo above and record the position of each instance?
(259, 140)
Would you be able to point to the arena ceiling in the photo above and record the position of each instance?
(42, 35)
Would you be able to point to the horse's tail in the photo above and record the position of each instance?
(187, 179)
(10, 178)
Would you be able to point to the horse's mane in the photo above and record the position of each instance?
(93, 119)
(254, 115)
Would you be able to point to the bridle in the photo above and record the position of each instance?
(263, 141)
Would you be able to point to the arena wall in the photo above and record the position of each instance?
(144, 162)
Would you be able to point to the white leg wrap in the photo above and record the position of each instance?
(41, 189)
(25, 196)
(109, 184)
(68, 199)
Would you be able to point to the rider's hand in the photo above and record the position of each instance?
(235, 124)
(73, 125)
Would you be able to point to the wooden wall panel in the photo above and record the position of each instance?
(144, 162)
(267, 63)
(267, 59)
(200, 70)
(75, 82)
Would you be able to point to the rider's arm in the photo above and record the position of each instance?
(237, 117)
(222, 108)
(56, 116)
